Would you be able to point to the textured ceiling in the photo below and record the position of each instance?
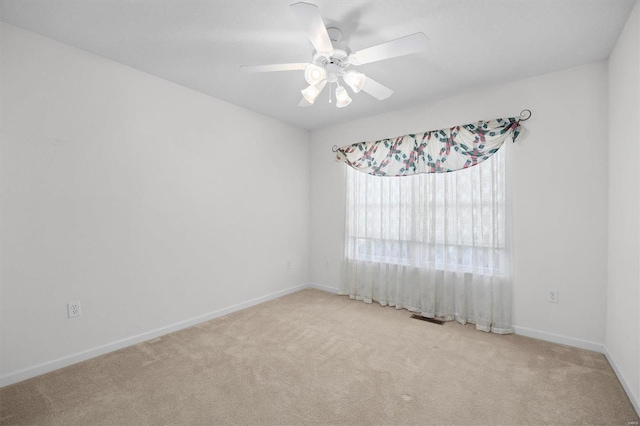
(202, 43)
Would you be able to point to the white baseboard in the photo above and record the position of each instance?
(635, 400)
(323, 288)
(558, 338)
(583, 344)
(65, 361)
(46, 367)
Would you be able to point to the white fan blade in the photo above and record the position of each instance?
(308, 15)
(304, 103)
(399, 47)
(376, 89)
(274, 67)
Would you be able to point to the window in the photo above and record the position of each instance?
(447, 221)
(433, 242)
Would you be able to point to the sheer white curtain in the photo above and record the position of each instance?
(435, 243)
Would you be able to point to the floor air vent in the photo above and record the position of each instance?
(433, 320)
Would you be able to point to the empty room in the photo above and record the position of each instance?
(320, 212)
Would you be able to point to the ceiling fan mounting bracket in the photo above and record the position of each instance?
(334, 34)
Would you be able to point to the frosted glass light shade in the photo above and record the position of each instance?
(310, 93)
(314, 74)
(355, 80)
(342, 97)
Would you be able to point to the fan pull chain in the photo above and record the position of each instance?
(329, 92)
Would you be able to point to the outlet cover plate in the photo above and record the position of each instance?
(73, 309)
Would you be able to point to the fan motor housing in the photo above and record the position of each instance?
(333, 65)
(338, 60)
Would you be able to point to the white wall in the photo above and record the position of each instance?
(559, 186)
(623, 289)
(148, 202)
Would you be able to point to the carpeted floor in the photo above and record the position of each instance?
(317, 358)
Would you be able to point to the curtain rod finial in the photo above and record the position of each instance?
(525, 114)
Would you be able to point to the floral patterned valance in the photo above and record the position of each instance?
(436, 151)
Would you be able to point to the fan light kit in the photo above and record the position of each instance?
(331, 58)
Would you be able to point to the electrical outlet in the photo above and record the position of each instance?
(73, 309)
(552, 296)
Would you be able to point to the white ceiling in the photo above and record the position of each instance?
(202, 43)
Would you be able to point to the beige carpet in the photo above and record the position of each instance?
(317, 358)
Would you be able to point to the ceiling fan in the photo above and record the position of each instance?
(331, 59)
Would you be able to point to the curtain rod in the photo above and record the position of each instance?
(525, 114)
